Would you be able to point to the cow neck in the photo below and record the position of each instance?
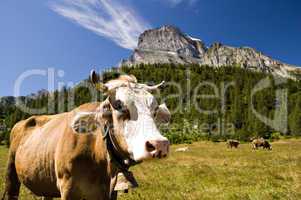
(120, 161)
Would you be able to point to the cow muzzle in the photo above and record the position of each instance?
(157, 148)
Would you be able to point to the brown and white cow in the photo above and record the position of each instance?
(261, 142)
(233, 143)
(66, 155)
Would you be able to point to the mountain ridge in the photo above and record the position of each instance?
(168, 44)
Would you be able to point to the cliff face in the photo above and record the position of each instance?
(169, 45)
(169, 39)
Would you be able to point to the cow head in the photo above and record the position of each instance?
(133, 111)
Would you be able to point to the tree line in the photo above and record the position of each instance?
(206, 102)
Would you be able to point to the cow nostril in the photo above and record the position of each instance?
(150, 147)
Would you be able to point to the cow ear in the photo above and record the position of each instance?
(163, 115)
(94, 77)
(84, 122)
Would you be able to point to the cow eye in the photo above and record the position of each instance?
(117, 105)
(121, 108)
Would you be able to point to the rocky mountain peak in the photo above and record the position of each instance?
(168, 44)
(169, 39)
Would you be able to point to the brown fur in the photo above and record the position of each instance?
(52, 161)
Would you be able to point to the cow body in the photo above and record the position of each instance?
(233, 143)
(47, 156)
(257, 143)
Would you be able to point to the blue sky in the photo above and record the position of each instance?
(78, 35)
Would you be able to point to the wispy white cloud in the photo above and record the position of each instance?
(176, 2)
(107, 18)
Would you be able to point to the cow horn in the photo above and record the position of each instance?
(154, 87)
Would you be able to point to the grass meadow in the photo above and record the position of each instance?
(212, 171)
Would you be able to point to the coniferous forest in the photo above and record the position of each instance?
(207, 103)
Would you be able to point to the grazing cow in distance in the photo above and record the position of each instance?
(233, 143)
(79, 154)
(261, 142)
